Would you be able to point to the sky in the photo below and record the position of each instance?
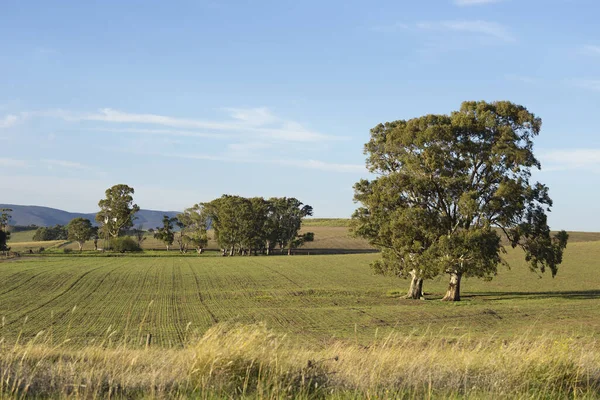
(189, 100)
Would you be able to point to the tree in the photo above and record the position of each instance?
(80, 230)
(4, 233)
(193, 224)
(448, 187)
(139, 234)
(165, 233)
(285, 221)
(229, 215)
(117, 210)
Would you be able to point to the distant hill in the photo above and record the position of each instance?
(46, 216)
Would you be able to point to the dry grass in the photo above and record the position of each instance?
(250, 361)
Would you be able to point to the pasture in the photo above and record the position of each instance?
(309, 326)
(312, 298)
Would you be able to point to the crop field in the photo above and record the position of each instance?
(307, 326)
(312, 298)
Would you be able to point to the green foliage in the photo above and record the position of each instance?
(4, 232)
(165, 233)
(80, 230)
(193, 224)
(444, 182)
(124, 244)
(67, 250)
(256, 224)
(117, 210)
(56, 232)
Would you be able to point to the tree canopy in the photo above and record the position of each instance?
(255, 224)
(165, 233)
(4, 233)
(80, 230)
(117, 210)
(448, 186)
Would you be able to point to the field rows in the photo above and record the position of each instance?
(313, 298)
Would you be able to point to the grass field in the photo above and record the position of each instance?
(314, 298)
(272, 327)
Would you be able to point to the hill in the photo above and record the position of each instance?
(46, 216)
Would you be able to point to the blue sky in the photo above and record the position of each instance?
(186, 101)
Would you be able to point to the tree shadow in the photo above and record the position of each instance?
(560, 294)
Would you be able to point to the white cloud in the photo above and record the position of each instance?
(244, 122)
(520, 78)
(592, 50)
(8, 121)
(486, 28)
(247, 158)
(463, 3)
(65, 164)
(569, 159)
(480, 28)
(324, 166)
(589, 84)
(11, 162)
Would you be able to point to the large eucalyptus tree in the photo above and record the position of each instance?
(448, 187)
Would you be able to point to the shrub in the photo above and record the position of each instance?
(124, 244)
(67, 251)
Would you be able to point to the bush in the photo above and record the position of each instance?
(124, 244)
(67, 251)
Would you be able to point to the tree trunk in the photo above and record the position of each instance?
(453, 293)
(231, 252)
(80, 246)
(290, 251)
(415, 292)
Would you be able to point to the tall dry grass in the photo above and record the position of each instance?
(236, 361)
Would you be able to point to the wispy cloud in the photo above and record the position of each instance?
(520, 78)
(65, 164)
(11, 162)
(479, 28)
(246, 158)
(591, 50)
(571, 159)
(465, 3)
(258, 122)
(588, 84)
(8, 120)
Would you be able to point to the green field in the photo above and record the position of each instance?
(312, 298)
(164, 325)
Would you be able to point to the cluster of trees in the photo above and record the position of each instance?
(56, 232)
(4, 233)
(447, 188)
(241, 225)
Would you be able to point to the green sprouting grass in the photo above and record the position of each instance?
(338, 222)
(314, 299)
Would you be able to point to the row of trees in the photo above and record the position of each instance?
(241, 225)
(447, 188)
(56, 232)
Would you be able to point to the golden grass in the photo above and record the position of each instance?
(249, 361)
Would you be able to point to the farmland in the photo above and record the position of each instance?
(313, 298)
(209, 326)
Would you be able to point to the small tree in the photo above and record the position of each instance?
(4, 233)
(139, 234)
(117, 210)
(165, 233)
(193, 224)
(80, 230)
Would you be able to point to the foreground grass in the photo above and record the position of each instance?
(250, 361)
